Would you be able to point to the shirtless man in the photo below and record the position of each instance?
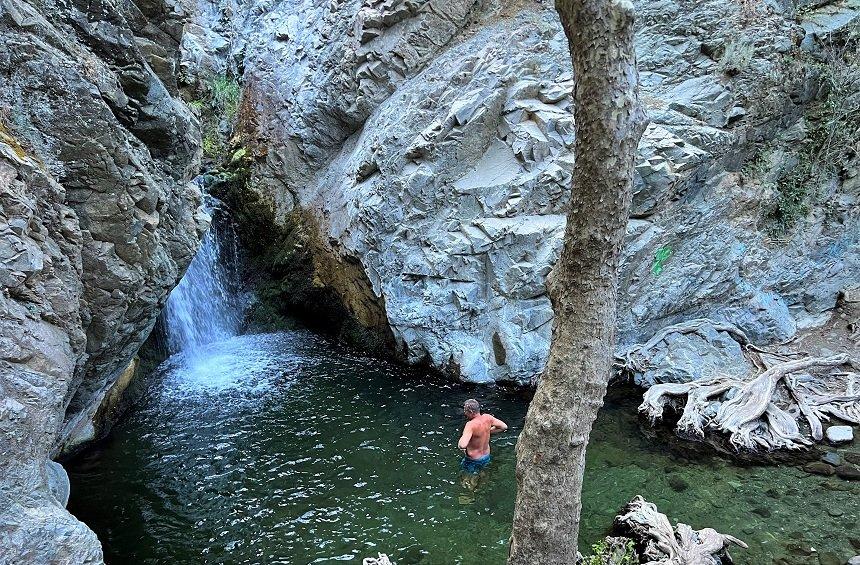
(475, 441)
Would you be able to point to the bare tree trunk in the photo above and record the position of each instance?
(582, 286)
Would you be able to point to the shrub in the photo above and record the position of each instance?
(219, 103)
(833, 123)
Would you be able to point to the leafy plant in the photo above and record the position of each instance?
(225, 92)
(831, 138)
(218, 104)
(605, 553)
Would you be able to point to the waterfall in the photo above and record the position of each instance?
(206, 306)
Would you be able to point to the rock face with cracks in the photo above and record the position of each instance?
(98, 220)
(431, 143)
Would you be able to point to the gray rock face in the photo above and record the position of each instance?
(435, 151)
(681, 358)
(98, 220)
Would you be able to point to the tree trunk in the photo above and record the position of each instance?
(582, 286)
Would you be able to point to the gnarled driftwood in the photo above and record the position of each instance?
(750, 411)
(661, 544)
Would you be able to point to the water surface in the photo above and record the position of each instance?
(286, 448)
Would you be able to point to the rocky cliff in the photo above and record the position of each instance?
(409, 158)
(425, 146)
(98, 219)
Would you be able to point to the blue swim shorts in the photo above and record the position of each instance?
(474, 466)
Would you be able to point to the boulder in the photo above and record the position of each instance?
(98, 221)
(839, 434)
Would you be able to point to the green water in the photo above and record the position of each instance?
(284, 448)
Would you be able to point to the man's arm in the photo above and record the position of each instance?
(498, 426)
(464, 439)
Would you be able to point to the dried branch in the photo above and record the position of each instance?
(663, 545)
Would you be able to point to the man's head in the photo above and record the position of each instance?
(471, 408)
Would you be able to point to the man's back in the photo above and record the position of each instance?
(475, 441)
(479, 443)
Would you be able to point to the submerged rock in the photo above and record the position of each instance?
(848, 472)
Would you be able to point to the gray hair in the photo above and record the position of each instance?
(471, 406)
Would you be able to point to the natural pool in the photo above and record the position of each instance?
(286, 448)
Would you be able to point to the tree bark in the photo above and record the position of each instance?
(582, 286)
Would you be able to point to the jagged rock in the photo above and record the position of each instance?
(680, 357)
(830, 17)
(433, 155)
(98, 220)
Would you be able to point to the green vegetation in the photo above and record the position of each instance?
(830, 141)
(606, 553)
(219, 104)
(225, 93)
(660, 257)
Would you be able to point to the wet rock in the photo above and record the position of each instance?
(854, 560)
(98, 220)
(839, 434)
(819, 468)
(678, 484)
(435, 155)
(832, 458)
(836, 486)
(800, 549)
(762, 511)
(848, 472)
(828, 558)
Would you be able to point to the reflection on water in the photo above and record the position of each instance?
(284, 448)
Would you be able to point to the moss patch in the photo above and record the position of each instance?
(6, 137)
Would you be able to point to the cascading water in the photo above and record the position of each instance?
(206, 306)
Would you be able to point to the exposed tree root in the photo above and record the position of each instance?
(659, 543)
(752, 412)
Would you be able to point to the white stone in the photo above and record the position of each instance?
(840, 434)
